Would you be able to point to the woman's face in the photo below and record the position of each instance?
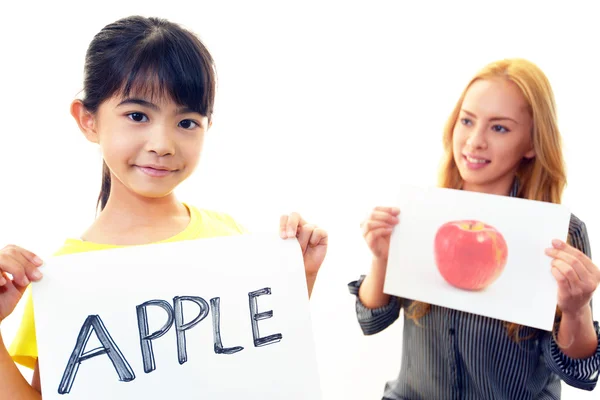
(492, 135)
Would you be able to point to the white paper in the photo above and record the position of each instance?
(525, 292)
(111, 283)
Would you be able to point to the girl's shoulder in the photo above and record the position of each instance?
(207, 222)
(204, 223)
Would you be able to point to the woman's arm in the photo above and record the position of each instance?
(370, 292)
(574, 353)
(577, 336)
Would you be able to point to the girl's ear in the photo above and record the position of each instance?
(85, 120)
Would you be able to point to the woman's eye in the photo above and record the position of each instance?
(188, 124)
(137, 117)
(500, 129)
(465, 121)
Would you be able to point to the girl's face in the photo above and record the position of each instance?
(149, 146)
(492, 135)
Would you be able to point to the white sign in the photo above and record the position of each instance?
(219, 318)
(478, 253)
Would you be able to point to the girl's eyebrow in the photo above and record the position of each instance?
(139, 102)
(146, 103)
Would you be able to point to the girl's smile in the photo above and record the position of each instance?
(155, 171)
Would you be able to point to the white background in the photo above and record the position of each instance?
(322, 108)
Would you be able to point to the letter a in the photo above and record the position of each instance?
(93, 323)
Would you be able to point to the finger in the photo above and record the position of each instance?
(575, 263)
(293, 222)
(376, 234)
(31, 257)
(567, 270)
(388, 210)
(10, 285)
(567, 248)
(383, 216)
(28, 260)
(3, 280)
(13, 267)
(304, 233)
(562, 281)
(318, 237)
(31, 268)
(291, 227)
(575, 286)
(371, 225)
(282, 226)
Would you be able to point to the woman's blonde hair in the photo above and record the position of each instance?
(540, 178)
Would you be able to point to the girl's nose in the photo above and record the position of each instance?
(160, 141)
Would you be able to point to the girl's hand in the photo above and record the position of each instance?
(23, 266)
(576, 275)
(377, 230)
(313, 240)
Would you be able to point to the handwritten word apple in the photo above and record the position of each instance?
(174, 313)
(470, 254)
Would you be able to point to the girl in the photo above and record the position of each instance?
(149, 90)
(501, 138)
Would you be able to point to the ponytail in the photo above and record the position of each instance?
(105, 188)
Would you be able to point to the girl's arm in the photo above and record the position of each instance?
(35, 381)
(23, 266)
(12, 383)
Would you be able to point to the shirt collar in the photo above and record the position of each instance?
(514, 190)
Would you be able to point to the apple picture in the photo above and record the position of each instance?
(470, 254)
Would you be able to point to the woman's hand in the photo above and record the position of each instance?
(577, 277)
(377, 230)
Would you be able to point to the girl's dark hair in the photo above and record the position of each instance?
(152, 57)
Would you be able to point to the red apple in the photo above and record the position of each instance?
(469, 254)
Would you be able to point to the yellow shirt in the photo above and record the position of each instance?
(203, 224)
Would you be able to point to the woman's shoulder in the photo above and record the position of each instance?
(578, 235)
(576, 223)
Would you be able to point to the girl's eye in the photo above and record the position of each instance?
(188, 124)
(138, 117)
(500, 129)
(465, 121)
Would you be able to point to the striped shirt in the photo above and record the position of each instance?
(459, 355)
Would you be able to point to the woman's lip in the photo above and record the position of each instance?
(475, 157)
(475, 165)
